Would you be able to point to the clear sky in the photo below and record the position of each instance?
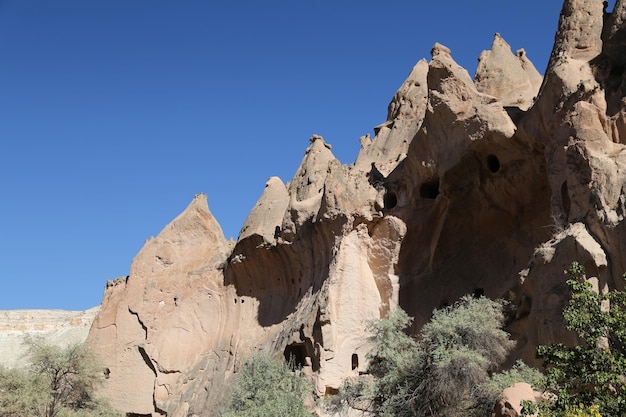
(115, 113)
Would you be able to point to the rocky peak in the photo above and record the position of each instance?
(404, 118)
(267, 214)
(511, 78)
(470, 186)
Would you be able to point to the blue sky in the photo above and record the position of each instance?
(114, 114)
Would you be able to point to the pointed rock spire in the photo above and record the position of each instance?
(510, 78)
(267, 214)
(404, 118)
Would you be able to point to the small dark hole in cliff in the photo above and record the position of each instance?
(617, 71)
(565, 200)
(331, 391)
(296, 354)
(355, 361)
(390, 200)
(493, 163)
(430, 189)
(107, 373)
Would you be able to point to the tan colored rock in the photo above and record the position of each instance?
(307, 186)
(404, 118)
(512, 79)
(155, 327)
(512, 397)
(266, 216)
(580, 28)
(453, 196)
(544, 292)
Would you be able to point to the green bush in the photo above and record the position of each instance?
(437, 374)
(59, 382)
(393, 360)
(265, 387)
(463, 343)
(592, 372)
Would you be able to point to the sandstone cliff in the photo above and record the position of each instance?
(490, 185)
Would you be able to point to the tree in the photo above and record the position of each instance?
(394, 360)
(265, 387)
(593, 372)
(59, 382)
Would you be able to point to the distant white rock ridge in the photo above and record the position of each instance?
(58, 327)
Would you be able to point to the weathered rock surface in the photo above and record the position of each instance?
(58, 327)
(510, 405)
(512, 79)
(488, 186)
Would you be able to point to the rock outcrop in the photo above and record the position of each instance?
(490, 186)
(57, 327)
(510, 405)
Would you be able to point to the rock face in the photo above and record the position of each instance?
(492, 186)
(58, 327)
(510, 405)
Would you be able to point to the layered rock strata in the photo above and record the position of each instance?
(58, 327)
(489, 186)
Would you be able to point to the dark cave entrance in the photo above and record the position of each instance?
(390, 200)
(296, 354)
(493, 163)
(430, 189)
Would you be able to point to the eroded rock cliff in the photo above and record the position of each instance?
(491, 185)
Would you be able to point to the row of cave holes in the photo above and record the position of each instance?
(430, 189)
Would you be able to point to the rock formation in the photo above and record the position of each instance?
(490, 186)
(58, 327)
(510, 405)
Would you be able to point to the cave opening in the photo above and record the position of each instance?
(355, 361)
(493, 163)
(390, 200)
(430, 189)
(565, 200)
(296, 354)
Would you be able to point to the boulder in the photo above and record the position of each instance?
(510, 405)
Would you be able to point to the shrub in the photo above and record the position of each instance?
(437, 374)
(464, 343)
(265, 387)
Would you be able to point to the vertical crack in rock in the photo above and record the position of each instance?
(143, 326)
(147, 360)
(150, 364)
